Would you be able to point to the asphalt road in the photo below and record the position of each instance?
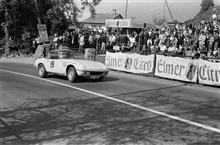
(122, 109)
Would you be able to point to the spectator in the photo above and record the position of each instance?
(141, 40)
(56, 40)
(91, 40)
(103, 40)
(211, 42)
(81, 42)
(216, 40)
(132, 42)
(202, 39)
(125, 41)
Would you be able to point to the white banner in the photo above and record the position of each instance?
(208, 72)
(133, 63)
(42, 30)
(123, 23)
(176, 68)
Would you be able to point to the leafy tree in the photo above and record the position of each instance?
(19, 19)
(206, 4)
(157, 20)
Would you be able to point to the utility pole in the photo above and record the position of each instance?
(126, 9)
(164, 10)
(169, 10)
(38, 13)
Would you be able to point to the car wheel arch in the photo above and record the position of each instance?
(69, 67)
(42, 70)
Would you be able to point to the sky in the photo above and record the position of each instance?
(106, 6)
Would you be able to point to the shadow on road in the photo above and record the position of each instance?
(95, 120)
(89, 121)
(83, 79)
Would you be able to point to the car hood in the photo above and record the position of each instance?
(91, 65)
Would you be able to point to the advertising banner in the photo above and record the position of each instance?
(208, 72)
(134, 63)
(42, 30)
(176, 68)
(118, 23)
(124, 23)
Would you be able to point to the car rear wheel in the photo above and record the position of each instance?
(42, 71)
(71, 74)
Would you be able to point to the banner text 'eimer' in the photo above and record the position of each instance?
(163, 67)
(138, 63)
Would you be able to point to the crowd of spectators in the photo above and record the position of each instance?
(185, 40)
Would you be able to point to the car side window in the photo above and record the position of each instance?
(54, 55)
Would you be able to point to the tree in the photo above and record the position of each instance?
(158, 20)
(206, 4)
(19, 20)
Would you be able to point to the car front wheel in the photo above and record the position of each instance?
(42, 71)
(101, 78)
(71, 74)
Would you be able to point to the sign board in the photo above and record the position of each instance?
(42, 30)
(208, 72)
(124, 23)
(134, 63)
(176, 68)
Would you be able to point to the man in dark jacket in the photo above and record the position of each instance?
(141, 40)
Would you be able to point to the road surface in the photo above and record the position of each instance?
(122, 109)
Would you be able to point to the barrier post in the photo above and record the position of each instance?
(197, 79)
(155, 62)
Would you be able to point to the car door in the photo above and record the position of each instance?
(61, 63)
(52, 61)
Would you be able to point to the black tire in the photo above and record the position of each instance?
(101, 78)
(42, 71)
(71, 74)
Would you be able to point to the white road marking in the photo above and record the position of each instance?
(124, 102)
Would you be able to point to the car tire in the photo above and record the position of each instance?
(71, 74)
(101, 78)
(42, 71)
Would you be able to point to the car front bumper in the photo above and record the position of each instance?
(92, 74)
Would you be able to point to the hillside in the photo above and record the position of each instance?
(205, 15)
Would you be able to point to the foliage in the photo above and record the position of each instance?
(19, 19)
(205, 15)
(206, 4)
(157, 20)
(91, 4)
(55, 20)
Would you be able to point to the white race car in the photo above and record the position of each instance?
(71, 64)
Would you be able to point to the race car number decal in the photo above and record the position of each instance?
(52, 64)
(65, 64)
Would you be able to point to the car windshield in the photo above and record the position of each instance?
(71, 55)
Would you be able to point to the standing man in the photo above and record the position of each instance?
(91, 40)
(141, 40)
(81, 42)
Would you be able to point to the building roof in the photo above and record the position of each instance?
(101, 17)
